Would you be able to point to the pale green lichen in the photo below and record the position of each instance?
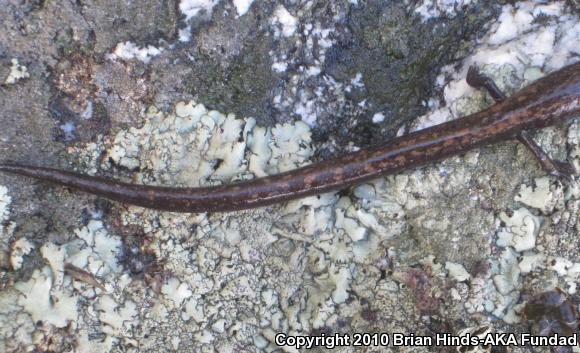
(118, 319)
(457, 271)
(51, 298)
(195, 146)
(46, 303)
(20, 248)
(520, 231)
(544, 195)
(176, 291)
(16, 326)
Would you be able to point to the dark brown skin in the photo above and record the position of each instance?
(553, 98)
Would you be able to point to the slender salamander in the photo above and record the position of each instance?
(555, 97)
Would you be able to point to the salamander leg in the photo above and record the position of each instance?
(556, 168)
(560, 169)
(480, 81)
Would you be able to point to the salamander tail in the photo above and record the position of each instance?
(4, 167)
(26, 170)
(8, 167)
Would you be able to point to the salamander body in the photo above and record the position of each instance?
(553, 98)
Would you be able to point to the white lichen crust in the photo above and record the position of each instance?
(17, 72)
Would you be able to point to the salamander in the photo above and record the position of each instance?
(553, 98)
